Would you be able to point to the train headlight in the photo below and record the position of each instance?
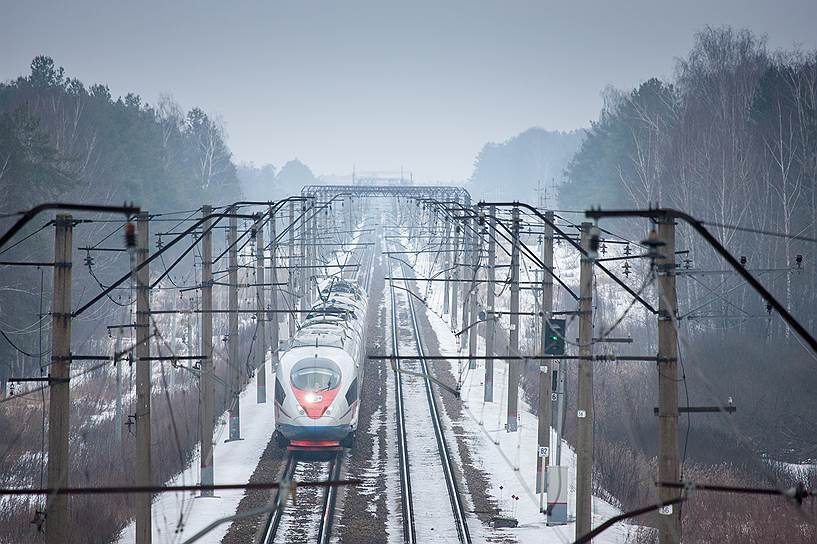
(312, 398)
(301, 410)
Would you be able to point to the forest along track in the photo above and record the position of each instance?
(310, 517)
(426, 471)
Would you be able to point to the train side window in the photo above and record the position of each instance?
(351, 394)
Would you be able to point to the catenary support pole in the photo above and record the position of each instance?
(57, 506)
(207, 379)
(313, 272)
(190, 350)
(303, 233)
(260, 344)
(490, 324)
(669, 470)
(513, 344)
(584, 399)
(545, 377)
(448, 249)
(455, 276)
(144, 476)
(273, 320)
(117, 361)
(467, 257)
(291, 275)
(232, 330)
(473, 333)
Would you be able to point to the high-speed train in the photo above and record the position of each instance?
(320, 373)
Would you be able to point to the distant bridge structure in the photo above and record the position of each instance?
(437, 192)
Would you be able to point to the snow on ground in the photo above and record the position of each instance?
(509, 459)
(178, 516)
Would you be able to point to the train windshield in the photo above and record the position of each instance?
(316, 375)
(322, 339)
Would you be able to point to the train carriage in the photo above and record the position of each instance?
(320, 373)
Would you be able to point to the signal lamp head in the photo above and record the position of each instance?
(130, 235)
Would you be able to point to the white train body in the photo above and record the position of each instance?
(320, 374)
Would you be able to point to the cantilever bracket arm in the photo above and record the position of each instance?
(575, 244)
(28, 215)
(698, 226)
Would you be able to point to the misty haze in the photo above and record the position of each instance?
(367, 272)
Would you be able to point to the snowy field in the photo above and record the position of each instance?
(178, 516)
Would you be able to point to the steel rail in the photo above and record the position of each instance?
(409, 531)
(274, 519)
(330, 499)
(457, 504)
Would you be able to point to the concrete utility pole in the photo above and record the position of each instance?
(309, 241)
(232, 329)
(349, 225)
(513, 344)
(455, 276)
(490, 325)
(545, 378)
(190, 314)
(473, 333)
(57, 506)
(207, 380)
(117, 417)
(463, 286)
(312, 272)
(468, 260)
(669, 466)
(303, 228)
(290, 271)
(584, 400)
(448, 250)
(144, 477)
(260, 315)
(273, 315)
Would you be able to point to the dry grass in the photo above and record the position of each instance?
(95, 458)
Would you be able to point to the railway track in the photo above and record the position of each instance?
(299, 521)
(311, 518)
(421, 461)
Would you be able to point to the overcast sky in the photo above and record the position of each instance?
(380, 84)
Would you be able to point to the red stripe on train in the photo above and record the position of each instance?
(315, 404)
